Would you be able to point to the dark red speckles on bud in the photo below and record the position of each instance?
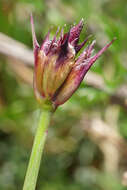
(57, 72)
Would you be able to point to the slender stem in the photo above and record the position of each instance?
(37, 150)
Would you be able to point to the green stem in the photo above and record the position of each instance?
(37, 150)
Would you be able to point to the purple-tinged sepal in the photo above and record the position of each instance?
(79, 70)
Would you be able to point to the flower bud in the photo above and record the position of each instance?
(58, 73)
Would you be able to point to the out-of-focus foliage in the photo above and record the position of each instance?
(77, 155)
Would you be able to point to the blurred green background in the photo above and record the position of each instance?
(86, 147)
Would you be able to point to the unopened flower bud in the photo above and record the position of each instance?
(58, 73)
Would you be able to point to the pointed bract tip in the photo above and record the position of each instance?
(82, 20)
(81, 23)
(115, 38)
(35, 43)
(79, 46)
(94, 58)
(57, 31)
(93, 43)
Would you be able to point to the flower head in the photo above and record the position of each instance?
(58, 73)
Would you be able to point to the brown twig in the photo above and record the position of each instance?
(17, 50)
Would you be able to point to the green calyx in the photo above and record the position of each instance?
(47, 105)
